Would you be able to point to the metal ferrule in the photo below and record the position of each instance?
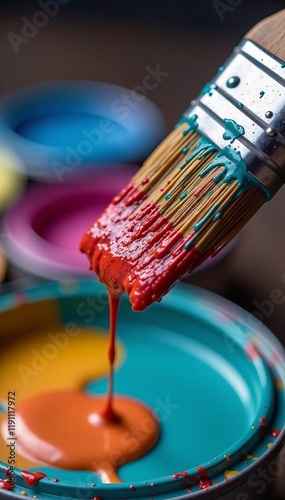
(249, 89)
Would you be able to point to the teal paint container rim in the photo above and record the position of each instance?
(250, 343)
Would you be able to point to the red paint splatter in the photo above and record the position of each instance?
(97, 498)
(202, 471)
(32, 478)
(252, 352)
(132, 487)
(6, 484)
(262, 421)
(275, 433)
(180, 474)
(145, 181)
(133, 248)
(204, 483)
(56, 480)
(6, 470)
(228, 458)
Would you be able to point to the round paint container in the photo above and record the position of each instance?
(44, 228)
(12, 182)
(61, 130)
(3, 265)
(210, 372)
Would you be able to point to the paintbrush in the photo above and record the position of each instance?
(223, 160)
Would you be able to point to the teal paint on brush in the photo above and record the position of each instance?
(234, 167)
(232, 130)
(192, 123)
(208, 89)
(201, 223)
(183, 196)
(203, 148)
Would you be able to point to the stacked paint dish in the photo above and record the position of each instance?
(44, 228)
(63, 130)
(210, 372)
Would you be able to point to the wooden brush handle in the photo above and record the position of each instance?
(270, 34)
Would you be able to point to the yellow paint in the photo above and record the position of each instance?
(53, 358)
(251, 457)
(279, 384)
(230, 473)
(269, 445)
(24, 493)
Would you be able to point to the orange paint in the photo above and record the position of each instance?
(108, 413)
(67, 429)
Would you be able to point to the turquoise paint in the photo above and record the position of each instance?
(261, 94)
(240, 105)
(208, 88)
(185, 150)
(233, 82)
(211, 395)
(283, 65)
(183, 196)
(2, 408)
(167, 196)
(191, 121)
(201, 223)
(232, 130)
(234, 167)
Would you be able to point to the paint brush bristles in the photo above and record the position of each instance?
(225, 158)
(191, 201)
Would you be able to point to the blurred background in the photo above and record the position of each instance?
(117, 41)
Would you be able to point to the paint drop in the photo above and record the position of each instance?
(6, 484)
(262, 421)
(233, 82)
(208, 89)
(145, 181)
(269, 445)
(232, 130)
(240, 105)
(24, 493)
(275, 433)
(180, 474)
(230, 473)
(261, 94)
(270, 131)
(204, 483)
(269, 114)
(32, 478)
(251, 457)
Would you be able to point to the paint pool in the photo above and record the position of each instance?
(213, 376)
